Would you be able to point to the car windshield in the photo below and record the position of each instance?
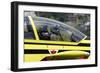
(53, 30)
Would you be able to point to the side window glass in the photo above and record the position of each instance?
(28, 31)
(56, 31)
(52, 32)
(43, 31)
(73, 34)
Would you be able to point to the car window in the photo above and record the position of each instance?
(28, 31)
(53, 30)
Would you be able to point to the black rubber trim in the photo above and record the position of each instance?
(36, 52)
(80, 44)
(45, 51)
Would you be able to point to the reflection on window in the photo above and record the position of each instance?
(28, 31)
(56, 31)
(53, 32)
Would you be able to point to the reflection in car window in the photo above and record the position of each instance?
(28, 31)
(53, 30)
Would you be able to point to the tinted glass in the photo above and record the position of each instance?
(28, 31)
(53, 30)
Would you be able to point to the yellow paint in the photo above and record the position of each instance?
(51, 47)
(49, 42)
(86, 41)
(56, 42)
(34, 57)
(76, 48)
(29, 46)
(34, 28)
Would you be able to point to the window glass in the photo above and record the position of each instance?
(49, 29)
(28, 31)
